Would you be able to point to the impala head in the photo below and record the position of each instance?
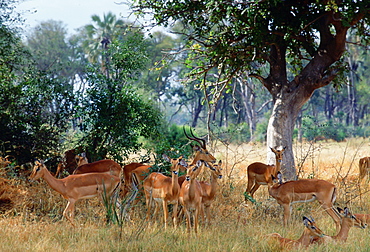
(201, 152)
(81, 159)
(346, 215)
(37, 170)
(193, 171)
(215, 168)
(311, 225)
(177, 163)
(278, 180)
(278, 153)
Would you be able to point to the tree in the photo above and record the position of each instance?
(234, 37)
(113, 115)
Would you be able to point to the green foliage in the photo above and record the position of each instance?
(33, 107)
(172, 142)
(314, 130)
(113, 114)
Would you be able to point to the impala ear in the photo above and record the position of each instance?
(346, 211)
(166, 158)
(196, 148)
(306, 221)
(280, 177)
(183, 163)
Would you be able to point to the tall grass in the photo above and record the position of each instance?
(35, 222)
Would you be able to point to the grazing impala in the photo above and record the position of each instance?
(76, 187)
(191, 196)
(348, 220)
(209, 189)
(311, 232)
(260, 173)
(364, 166)
(305, 190)
(102, 166)
(159, 188)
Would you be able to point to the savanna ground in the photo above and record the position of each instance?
(31, 212)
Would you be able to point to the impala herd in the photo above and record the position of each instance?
(193, 198)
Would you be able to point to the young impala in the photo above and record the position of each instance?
(191, 196)
(76, 187)
(159, 188)
(348, 220)
(311, 232)
(305, 190)
(209, 189)
(260, 173)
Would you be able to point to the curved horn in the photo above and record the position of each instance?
(202, 142)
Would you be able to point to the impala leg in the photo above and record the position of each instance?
(165, 213)
(175, 206)
(156, 209)
(334, 215)
(188, 221)
(287, 212)
(250, 184)
(196, 214)
(254, 189)
(68, 212)
(149, 206)
(208, 215)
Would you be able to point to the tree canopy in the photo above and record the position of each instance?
(302, 43)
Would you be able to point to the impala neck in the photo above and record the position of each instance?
(175, 183)
(305, 238)
(56, 184)
(344, 229)
(214, 184)
(277, 165)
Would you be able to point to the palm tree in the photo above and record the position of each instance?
(100, 34)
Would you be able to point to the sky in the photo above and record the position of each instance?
(73, 13)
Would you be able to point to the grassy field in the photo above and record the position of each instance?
(31, 213)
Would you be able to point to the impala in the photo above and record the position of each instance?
(201, 152)
(76, 187)
(305, 190)
(260, 173)
(69, 162)
(348, 220)
(209, 189)
(162, 189)
(141, 171)
(311, 232)
(364, 166)
(191, 196)
(102, 166)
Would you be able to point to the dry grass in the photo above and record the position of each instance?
(31, 218)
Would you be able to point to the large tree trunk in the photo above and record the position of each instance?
(290, 96)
